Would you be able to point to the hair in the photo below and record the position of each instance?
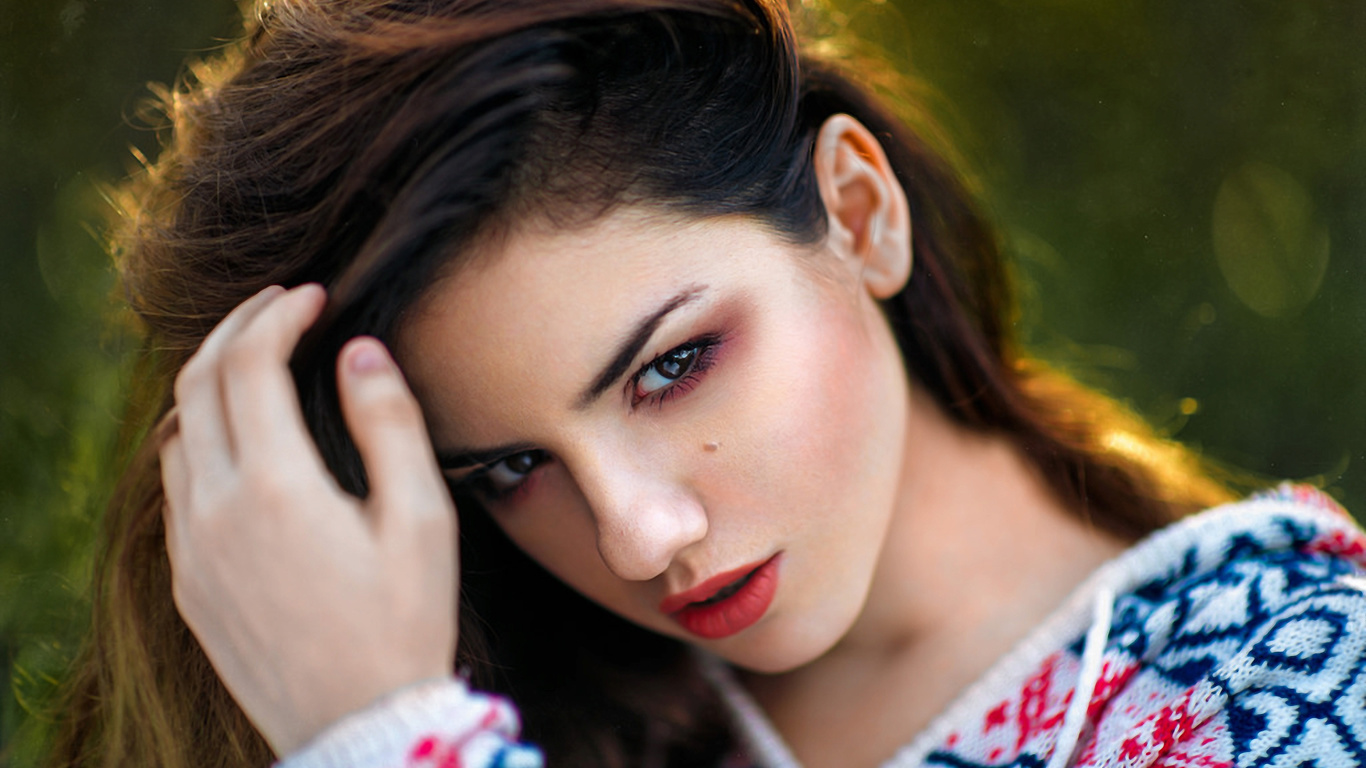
(365, 144)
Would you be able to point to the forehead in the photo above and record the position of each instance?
(539, 311)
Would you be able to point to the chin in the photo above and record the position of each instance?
(778, 647)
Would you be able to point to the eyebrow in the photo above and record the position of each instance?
(627, 351)
(619, 364)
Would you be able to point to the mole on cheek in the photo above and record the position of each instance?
(711, 447)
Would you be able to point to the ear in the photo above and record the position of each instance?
(869, 219)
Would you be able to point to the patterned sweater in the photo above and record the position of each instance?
(1236, 637)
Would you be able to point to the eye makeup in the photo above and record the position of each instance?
(506, 474)
(670, 375)
(507, 479)
(676, 372)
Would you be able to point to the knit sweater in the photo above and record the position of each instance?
(1236, 637)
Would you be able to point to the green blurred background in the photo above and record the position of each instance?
(1183, 185)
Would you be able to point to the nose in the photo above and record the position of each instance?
(643, 518)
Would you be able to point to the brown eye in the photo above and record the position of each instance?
(507, 473)
(666, 369)
(522, 463)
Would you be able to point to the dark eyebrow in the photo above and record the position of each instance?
(633, 344)
(621, 361)
(451, 460)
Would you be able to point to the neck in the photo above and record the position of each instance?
(978, 551)
(978, 546)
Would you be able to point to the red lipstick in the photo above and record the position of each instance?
(726, 603)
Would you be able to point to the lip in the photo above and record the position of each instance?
(733, 614)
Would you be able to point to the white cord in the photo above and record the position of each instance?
(1093, 653)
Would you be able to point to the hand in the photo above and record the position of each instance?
(309, 602)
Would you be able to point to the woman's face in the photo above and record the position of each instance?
(691, 422)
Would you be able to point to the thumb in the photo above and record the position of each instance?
(386, 424)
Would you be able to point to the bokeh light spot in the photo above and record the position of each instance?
(1269, 241)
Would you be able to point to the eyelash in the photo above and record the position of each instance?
(483, 487)
(704, 348)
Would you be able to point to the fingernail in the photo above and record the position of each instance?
(369, 359)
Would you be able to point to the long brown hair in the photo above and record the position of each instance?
(362, 144)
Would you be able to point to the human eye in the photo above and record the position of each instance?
(675, 372)
(507, 476)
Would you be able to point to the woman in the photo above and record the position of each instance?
(713, 354)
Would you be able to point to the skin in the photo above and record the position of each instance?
(912, 553)
(250, 507)
(632, 507)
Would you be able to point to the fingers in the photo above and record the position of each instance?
(260, 398)
(198, 394)
(304, 606)
(235, 399)
(387, 426)
(239, 411)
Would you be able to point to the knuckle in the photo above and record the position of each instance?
(204, 502)
(268, 484)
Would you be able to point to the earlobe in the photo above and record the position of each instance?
(868, 216)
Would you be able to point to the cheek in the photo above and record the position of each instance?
(557, 530)
(552, 525)
(836, 398)
(833, 427)
(806, 419)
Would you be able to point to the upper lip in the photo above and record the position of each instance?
(680, 600)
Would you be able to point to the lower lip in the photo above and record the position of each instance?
(740, 611)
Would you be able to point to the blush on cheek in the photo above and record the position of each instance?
(836, 406)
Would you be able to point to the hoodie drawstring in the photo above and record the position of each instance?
(1092, 656)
